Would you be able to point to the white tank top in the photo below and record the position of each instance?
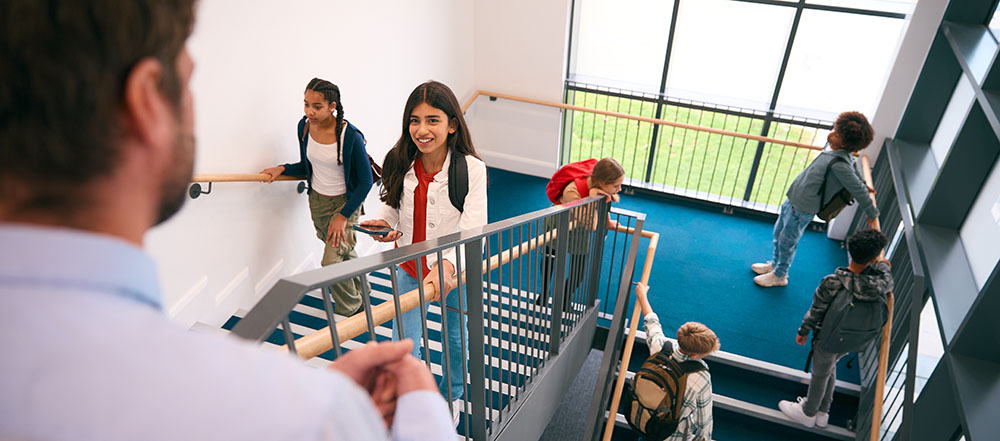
(327, 176)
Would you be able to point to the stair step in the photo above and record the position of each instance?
(763, 413)
(763, 367)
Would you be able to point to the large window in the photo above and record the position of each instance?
(815, 58)
(780, 69)
(622, 42)
(831, 69)
(730, 58)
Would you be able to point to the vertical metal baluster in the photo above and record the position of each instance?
(593, 125)
(395, 300)
(694, 152)
(596, 256)
(533, 265)
(477, 377)
(423, 311)
(522, 356)
(608, 301)
(488, 318)
(621, 268)
(446, 355)
(614, 132)
(704, 158)
(680, 159)
(366, 301)
(511, 329)
(736, 180)
(331, 321)
(558, 287)
(286, 328)
(512, 355)
(462, 334)
(718, 155)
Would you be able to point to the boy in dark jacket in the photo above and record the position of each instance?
(835, 166)
(867, 278)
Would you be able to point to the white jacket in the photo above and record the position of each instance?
(442, 217)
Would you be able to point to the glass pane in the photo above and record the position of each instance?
(728, 52)
(980, 232)
(930, 349)
(622, 43)
(832, 70)
(897, 6)
(600, 136)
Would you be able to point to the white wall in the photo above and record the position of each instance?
(921, 27)
(520, 49)
(253, 59)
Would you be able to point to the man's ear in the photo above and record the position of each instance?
(147, 112)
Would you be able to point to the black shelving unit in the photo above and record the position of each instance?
(962, 396)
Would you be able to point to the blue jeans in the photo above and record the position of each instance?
(787, 232)
(413, 329)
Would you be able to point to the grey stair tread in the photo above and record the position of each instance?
(763, 413)
(763, 367)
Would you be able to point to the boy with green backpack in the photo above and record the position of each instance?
(847, 314)
(670, 398)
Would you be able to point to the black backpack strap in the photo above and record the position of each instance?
(822, 187)
(667, 348)
(458, 181)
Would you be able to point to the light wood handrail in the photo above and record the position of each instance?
(609, 427)
(883, 353)
(244, 177)
(636, 118)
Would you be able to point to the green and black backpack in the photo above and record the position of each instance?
(651, 402)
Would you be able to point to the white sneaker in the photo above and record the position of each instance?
(768, 280)
(822, 418)
(762, 268)
(456, 411)
(794, 412)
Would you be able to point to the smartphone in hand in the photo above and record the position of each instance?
(373, 230)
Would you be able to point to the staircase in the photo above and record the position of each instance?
(517, 339)
(746, 394)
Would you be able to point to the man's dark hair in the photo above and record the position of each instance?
(866, 245)
(855, 131)
(64, 65)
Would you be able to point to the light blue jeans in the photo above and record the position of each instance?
(787, 232)
(457, 323)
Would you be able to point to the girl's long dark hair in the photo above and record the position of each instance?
(401, 156)
(331, 93)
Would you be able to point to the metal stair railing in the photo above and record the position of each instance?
(888, 367)
(520, 352)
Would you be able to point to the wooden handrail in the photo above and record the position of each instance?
(883, 353)
(636, 118)
(633, 327)
(244, 177)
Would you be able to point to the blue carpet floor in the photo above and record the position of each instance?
(702, 269)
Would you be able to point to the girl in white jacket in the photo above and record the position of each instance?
(421, 205)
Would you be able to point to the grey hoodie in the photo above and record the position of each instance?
(874, 282)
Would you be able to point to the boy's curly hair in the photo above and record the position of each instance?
(866, 245)
(855, 131)
(697, 339)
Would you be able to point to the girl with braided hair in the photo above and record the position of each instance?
(334, 163)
